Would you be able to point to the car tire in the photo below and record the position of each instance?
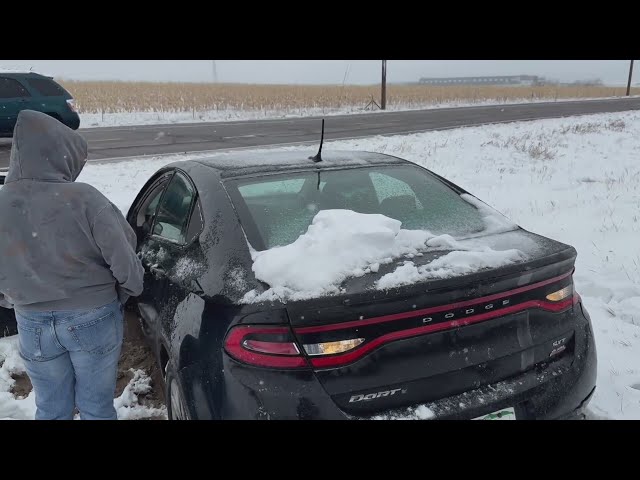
(176, 404)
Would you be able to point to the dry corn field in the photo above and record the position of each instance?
(117, 97)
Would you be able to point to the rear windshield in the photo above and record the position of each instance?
(275, 210)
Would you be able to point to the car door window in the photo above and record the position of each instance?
(174, 209)
(146, 209)
(10, 88)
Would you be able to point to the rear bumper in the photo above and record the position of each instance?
(560, 389)
(556, 391)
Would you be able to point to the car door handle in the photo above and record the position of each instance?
(159, 272)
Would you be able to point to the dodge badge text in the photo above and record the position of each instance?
(373, 396)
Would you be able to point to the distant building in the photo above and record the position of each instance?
(527, 80)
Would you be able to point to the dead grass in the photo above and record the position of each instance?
(115, 97)
(544, 145)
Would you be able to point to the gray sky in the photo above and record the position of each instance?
(323, 71)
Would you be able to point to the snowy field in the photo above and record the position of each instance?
(576, 180)
(96, 120)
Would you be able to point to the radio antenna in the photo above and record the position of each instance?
(318, 157)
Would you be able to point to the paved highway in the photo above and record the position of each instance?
(117, 142)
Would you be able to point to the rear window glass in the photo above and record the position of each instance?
(10, 88)
(46, 87)
(276, 210)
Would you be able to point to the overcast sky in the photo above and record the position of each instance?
(322, 71)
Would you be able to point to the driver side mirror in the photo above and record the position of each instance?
(157, 230)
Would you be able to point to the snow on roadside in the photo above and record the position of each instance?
(574, 179)
(122, 119)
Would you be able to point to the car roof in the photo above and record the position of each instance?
(238, 164)
(21, 74)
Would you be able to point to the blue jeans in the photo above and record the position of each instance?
(72, 360)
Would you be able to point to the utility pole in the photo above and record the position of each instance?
(215, 72)
(383, 99)
(630, 75)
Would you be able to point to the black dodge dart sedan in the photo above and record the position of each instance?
(504, 342)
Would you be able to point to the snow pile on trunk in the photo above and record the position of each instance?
(128, 405)
(342, 243)
(338, 244)
(452, 264)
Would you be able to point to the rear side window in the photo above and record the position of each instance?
(46, 87)
(174, 209)
(10, 88)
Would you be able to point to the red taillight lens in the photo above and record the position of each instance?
(271, 348)
(262, 346)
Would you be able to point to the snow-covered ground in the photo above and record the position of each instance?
(576, 180)
(14, 407)
(119, 119)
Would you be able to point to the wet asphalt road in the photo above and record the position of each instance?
(117, 142)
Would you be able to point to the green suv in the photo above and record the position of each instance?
(31, 91)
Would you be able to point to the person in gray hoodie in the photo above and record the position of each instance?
(68, 265)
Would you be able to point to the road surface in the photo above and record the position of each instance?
(117, 142)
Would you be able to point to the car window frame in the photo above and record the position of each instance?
(155, 183)
(196, 203)
(196, 197)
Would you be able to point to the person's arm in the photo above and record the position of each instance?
(117, 242)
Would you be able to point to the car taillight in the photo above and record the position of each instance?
(330, 348)
(72, 104)
(561, 294)
(264, 346)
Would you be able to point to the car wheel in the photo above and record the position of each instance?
(176, 404)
